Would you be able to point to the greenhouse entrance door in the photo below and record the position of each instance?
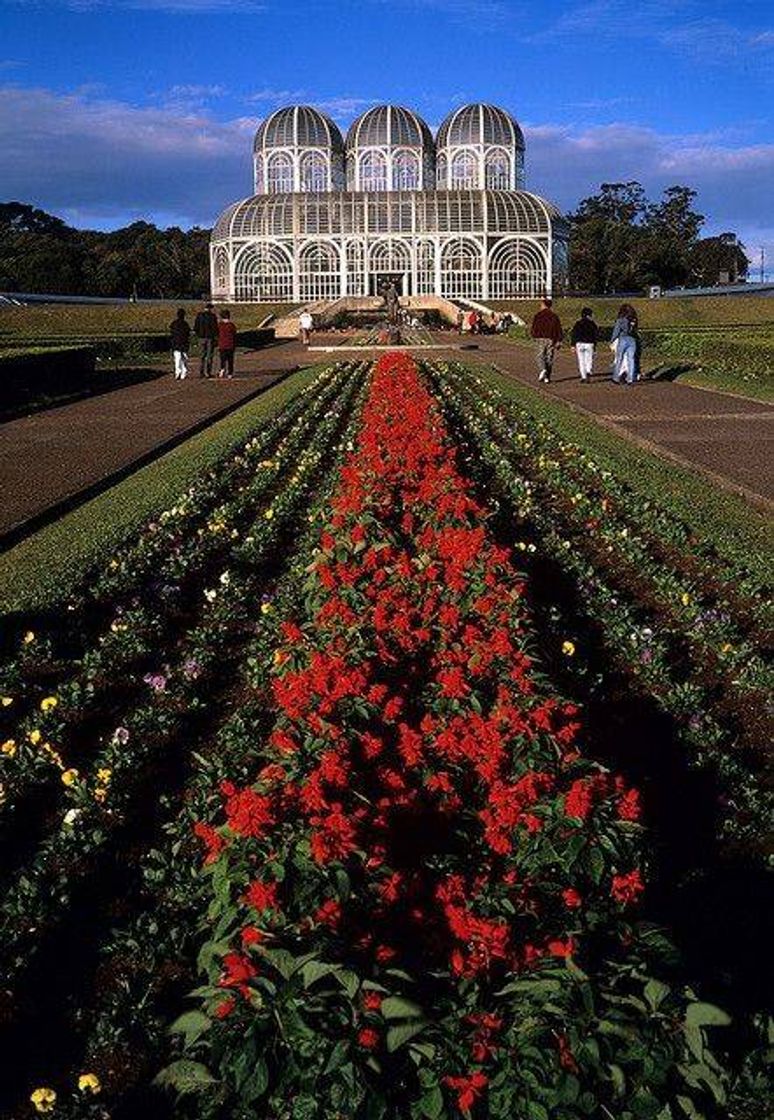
(381, 280)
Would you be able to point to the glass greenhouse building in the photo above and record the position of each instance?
(332, 218)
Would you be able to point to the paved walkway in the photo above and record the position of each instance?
(53, 460)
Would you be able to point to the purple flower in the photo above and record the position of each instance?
(646, 656)
(157, 681)
(191, 668)
(121, 735)
(695, 722)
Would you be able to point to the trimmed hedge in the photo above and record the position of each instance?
(26, 376)
(133, 347)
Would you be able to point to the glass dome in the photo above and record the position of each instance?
(298, 148)
(480, 146)
(390, 147)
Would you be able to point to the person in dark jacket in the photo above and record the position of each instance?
(206, 330)
(584, 337)
(180, 337)
(548, 334)
(226, 344)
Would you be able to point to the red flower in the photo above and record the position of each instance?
(372, 1001)
(368, 1038)
(224, 1008)
(248, 813)
(212, 840)
(262, 896)
(468, 1088)
(627, 888)
(571, 899)
(329, 914)
(566, 1056)
(629, 808)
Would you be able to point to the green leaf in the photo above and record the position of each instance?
(314, 971)
(402, 1033)
(256, 1083)
(688, 1107)
(395, 1007)
(706, 1015)
(655, 993)
(431, 1104)
(185, 1077)
(193, 1025)
(536, 1111)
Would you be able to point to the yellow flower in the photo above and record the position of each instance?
(726, 647)
(6, 701)
(29, 637)
(103, 776)
(685, 599)
(35, 736)
(568, 648)
(9, 747)
(269, 514)
(43, 1099)
(89, 1082)
(265, 608)
(100, 793)
(48, 703)
(70, 777)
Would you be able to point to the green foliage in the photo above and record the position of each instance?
(621, 242)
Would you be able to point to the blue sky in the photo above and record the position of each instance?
(117, 109)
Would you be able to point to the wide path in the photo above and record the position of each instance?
(53, 460)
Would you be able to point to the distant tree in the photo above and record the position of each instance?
(622, 242)
(714, 258)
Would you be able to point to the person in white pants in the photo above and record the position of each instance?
(180, 337)
(584, 337)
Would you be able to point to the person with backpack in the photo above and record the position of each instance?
(180, 337)
(584, 337)
(206, 330)
(624, 339)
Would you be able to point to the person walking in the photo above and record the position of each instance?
(624, 338)
(226, 344)
(180, 337)
(584, 337)
(206, 330)
(305, 325)
(548, 334)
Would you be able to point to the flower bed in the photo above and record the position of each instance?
(420, 904)
(691, 630)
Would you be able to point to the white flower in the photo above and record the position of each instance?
(225, 579)
(210, 595)
(71, 817)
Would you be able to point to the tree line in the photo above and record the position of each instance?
(619, 242)
(41, 253)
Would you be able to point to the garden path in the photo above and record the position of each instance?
(54, 460)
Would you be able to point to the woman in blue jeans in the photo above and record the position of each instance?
(624, 338)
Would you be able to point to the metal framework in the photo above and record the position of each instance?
(447, 217)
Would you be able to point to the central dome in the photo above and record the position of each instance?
(390, 147)
(480, 146)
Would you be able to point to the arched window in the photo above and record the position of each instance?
(264, 274)
(464, 171)
(220, 274)
(498, 176)
(314, 172)
(441, 168)
(259, 183)
(405, 172)
(355, 256)
(461, 269)
(373, 172)
(517, 270)
(279, 174)
(319, 271)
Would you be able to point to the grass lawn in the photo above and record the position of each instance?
(737, 531)
(83, 321)
(45, 567)
(680, 311)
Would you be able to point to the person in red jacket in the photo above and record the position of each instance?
(226, 344)
(548, 334)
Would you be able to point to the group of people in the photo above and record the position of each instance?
(216, 334)
(475, 322)
(624, 342)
